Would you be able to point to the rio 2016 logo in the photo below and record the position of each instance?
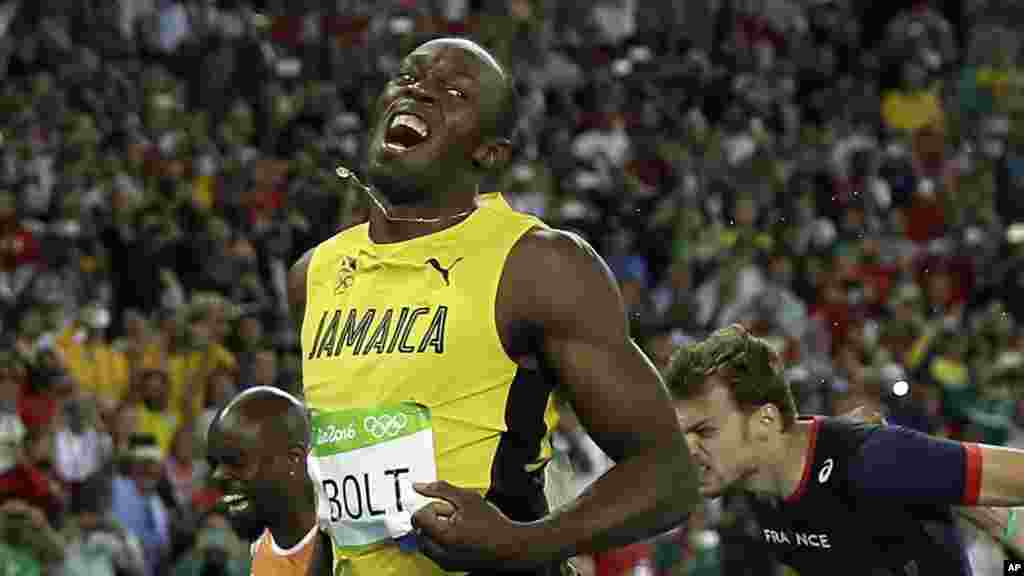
(385, 425)
(332, 433)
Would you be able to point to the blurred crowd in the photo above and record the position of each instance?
(841, 177)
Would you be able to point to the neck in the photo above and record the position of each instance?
(294, 524)
(396, 227)
(780, 476)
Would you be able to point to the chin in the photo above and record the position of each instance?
(710, 492)
(711, 489)
(399, 187)
(247, 525)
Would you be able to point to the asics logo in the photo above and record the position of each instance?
(826, 471)
(385, 425)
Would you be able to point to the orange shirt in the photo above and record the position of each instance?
(269, 559)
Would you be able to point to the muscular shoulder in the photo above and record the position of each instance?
(551, 276)
(299, 270)
(297, 276)
(543, 246)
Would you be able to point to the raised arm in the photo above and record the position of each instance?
(563, 288)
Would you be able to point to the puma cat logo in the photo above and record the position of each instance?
(443, 271)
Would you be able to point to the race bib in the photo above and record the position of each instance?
(364, 463)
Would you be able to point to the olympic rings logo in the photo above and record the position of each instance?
(385, 425)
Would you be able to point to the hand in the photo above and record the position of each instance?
(862, 413)
(465, 532)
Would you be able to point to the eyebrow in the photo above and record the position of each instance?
(226, 454)
(417, 60)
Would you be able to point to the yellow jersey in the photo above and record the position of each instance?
(414, 321)
(162, 425)
(187, 367)
(98, 368)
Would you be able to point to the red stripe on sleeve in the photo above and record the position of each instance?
(808, 464)
(972, 474)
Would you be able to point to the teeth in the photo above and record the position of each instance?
(412, 122)
(235, 502)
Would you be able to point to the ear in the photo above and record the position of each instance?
(767, 417)
(297, 456)
(492, 155)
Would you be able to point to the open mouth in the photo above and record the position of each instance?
(406, 131)
(235, 503)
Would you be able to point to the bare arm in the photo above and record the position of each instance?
(1001, 486)
(615, 391)
(297, 299)
(996, 523)
(1002, 476)
(297, 288)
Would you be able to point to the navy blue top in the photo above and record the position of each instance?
(874, 500)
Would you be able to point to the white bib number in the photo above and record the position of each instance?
(364, 462)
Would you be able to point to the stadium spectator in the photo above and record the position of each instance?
(96, 544)
(81, 447)
(28, 542)
(20, 480)
(136, 505)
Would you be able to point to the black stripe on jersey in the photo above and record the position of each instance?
(517, 492)
(514, 490)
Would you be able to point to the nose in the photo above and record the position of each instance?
(218, 476)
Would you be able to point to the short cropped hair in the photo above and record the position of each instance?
(507, 117)
(747, 365)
